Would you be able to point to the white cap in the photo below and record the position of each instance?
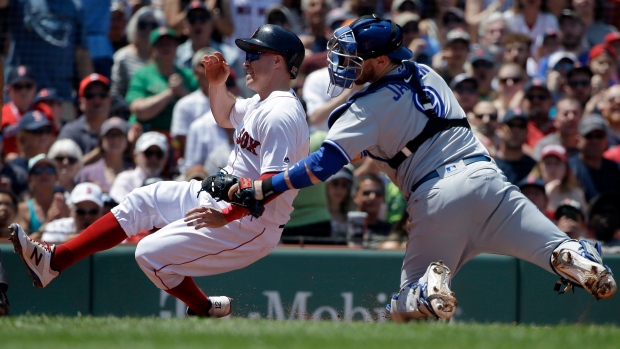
(86, 192)
(556, 57)
(152, 138)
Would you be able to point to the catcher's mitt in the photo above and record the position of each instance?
(219, 184)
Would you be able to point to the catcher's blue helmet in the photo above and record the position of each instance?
(368, 37)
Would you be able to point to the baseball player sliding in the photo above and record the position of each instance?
(459, 203)
(200, 236)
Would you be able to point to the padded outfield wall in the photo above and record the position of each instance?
(293, 283)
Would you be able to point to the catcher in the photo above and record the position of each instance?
(196, 238)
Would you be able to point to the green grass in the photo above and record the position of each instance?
(135, 333)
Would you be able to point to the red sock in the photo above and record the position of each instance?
(104, 234)
(189, 293)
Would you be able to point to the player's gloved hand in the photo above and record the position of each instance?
(220, 184)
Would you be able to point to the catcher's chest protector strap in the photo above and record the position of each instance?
(409, 78)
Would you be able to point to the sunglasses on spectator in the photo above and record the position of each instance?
(482, 64)
(26, 86)
(41, 131)
(579, 83)
(540, 97)
(70, 159)
(595, 135)
(156, 153)
(83, 212)
(43, 169)
(517, 124)
(144, 25)
(515, 80)
(91, 95)
(368, 192)
(492, 117)
(252, 56)
(193, 19)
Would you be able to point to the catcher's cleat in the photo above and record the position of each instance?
(584, 269)
(221, 306)
(431, 299)
(5, 307)
(37, 256)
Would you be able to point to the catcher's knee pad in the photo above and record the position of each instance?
(429, 298)
(580, 263)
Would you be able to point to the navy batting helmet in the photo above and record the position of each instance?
(273, 38)
(368, 37)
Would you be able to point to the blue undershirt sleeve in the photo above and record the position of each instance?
(323, 163)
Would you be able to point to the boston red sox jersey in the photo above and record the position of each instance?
(270, 136)
(392, 116)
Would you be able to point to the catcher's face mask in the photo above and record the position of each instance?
(343, 63)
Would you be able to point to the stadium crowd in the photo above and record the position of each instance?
(104, 96)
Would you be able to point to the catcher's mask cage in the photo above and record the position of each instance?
(368, 37)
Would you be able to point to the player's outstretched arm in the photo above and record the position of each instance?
(222, 101)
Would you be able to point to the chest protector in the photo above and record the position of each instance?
(434, 125)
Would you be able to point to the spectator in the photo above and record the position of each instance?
(511, 78)
(441, 20)
(406, 6)
(85, 204)
(114, 145)
(517, 49)
(150, 156)
(192, 106)
(8, 211)
(97, 18)
(279, 14)
(465, 90)
(483, 70)
(12, 178)
(592, 14)
(247, 15)
(340, 202)
(21, 88)
(129, 59)
(208, 144)
(310, 220)
(118, 23)
(35, 137)
(157, 87)
(604, 221)
(484, 124)
(314, 14)
(566, 125)
(95, 102)
(548, 43)
(68, 157)
(534, 189)
(570, 219)
(595, 173)
(572, 32)
(613, 39)
(579, 84)
(536, 104)
(220, 9)
(46, 202)
(50, 31)
(530, 17)
(560, 181)
(602, 61)
(559, 63)
(200, 22)
(423, 48)
(50, 98)
(369, 197)
(450, 61)
(610, 109)
(492, 31)
(509, 156)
